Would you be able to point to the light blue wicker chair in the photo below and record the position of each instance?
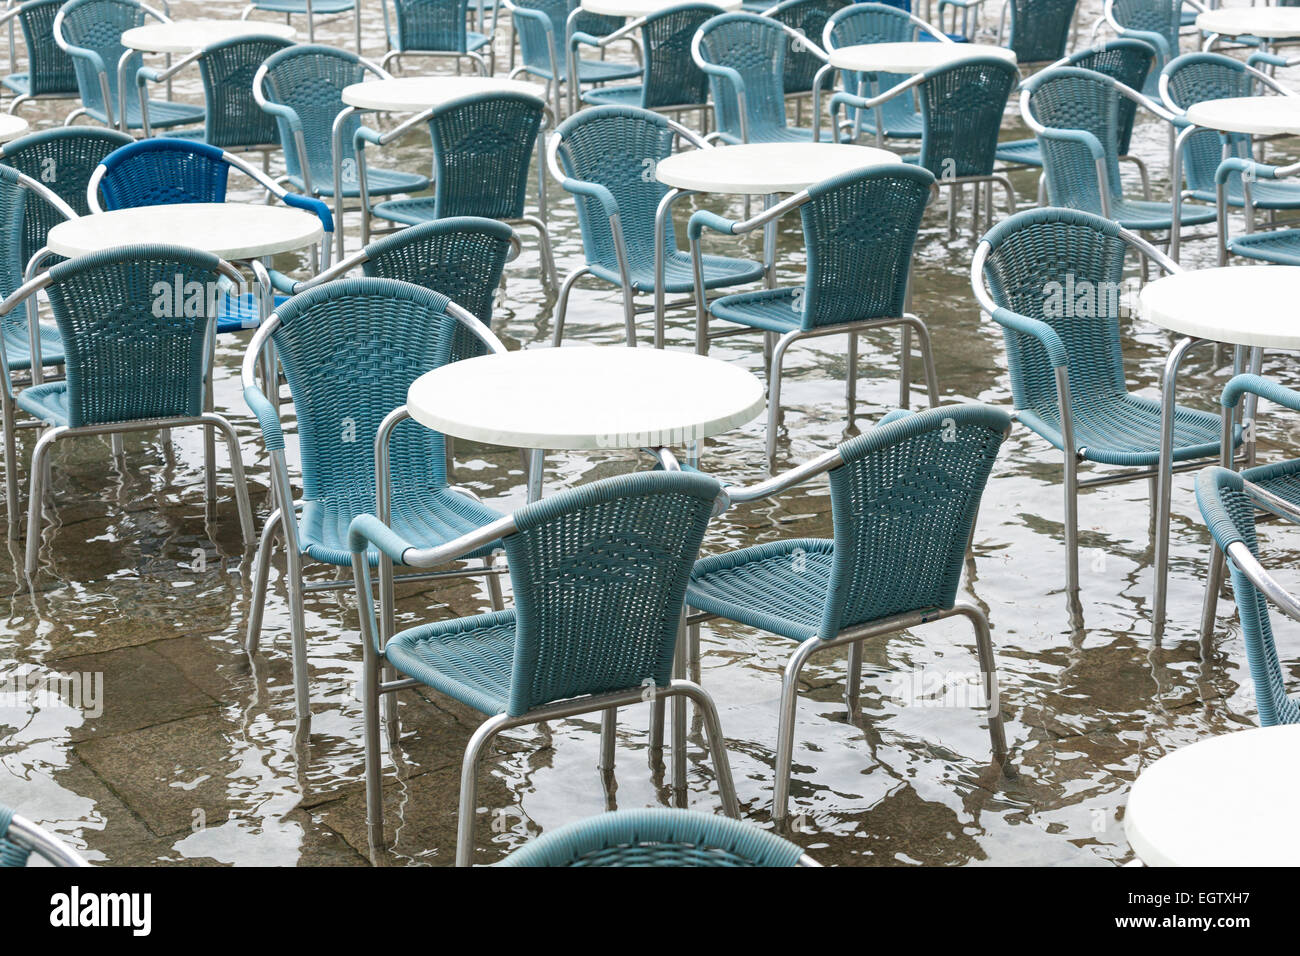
(659, 837)
(311, 9)
(1228, 503)
(670, 79)
(482, 147)
(962, 105)
(133, 363)
(1053, 279)
(438, 28)
(859, 229)
(155, 172)
(744, 55)
(1279, 246)
(601, 155)
(20, 838)
(904, 497)
(349, 350)
(90, 31)
(232, 119)
(1075, 115)
(1155, 22)
(598, 573)
(544, 28)
(50, 73)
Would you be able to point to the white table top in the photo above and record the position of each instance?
(1224, 801)
(580, 397)
(11, 127)
(643, 8)
(914, 57)
(1256, 115)
(1239, 305)
(755, 169)
(411, 94)
(1270, 23)
(231, 230)
(187, 36)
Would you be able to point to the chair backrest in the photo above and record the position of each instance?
(63, 160)
(1070, 98)
(1163, 17)
(755, 47)
(158, 172)
(599, 576)
(859, 229)
(437, 26)
(461, 257)
(535, 38)
(350, 349)
(1194, 78)
(807, 18)
(1229, 513)
(1128, 61)
(135, 323)
(656, 836)
(614, 146)
(482, 146)
(670, 76)
(308, 80)
(962, 106)
(904, 504)
(1040, 29)
(13, 205)
(233, 119)
(50, 71)
(861, 23)
(1064, 268)
(97, 26)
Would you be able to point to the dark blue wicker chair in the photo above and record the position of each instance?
(1039, 29)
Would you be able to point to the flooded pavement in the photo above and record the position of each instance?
(182, 750)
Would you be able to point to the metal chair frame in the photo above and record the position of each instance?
(26, 835)
(311, 19)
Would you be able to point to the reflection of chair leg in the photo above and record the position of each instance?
(11, 462)
(36, 494)
(989, 670)
(1213, 583)
(608, 728)
(562, 305)
(785, 730)
(469, 787)
(261, 578)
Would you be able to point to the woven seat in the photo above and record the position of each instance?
(469, 659)
(50, 73)
(1281, 246)
(47, 401)
(719, 273)
(1154, 215)
(1020, 152)
(658, 837)
(779, 587)
(18, 347)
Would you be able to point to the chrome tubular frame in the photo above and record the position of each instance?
(36, 840)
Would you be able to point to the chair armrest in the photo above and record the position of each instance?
(584, 38)
(365, 134)
(1267, 59)
(1263, 387)
(1038, 329)
(1147, 36)
(1078, 136)
(280, 111)
(282, 283)
(320, 209)
(595, 191)
(1247, 167)
(703, 219)
(366, 530)
(727, 73)
(267, 417)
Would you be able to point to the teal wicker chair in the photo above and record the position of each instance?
(744, 55)
(1053, 279)
(311, 9)
(232, 119)
(598, 573)
(600, 156)
(90, 31)
(1279, 246)
(20, 838)
(1228, 503)
(805, 59)
(50, 73)
(670, 79)
(1038, 29)
(349, 350)
(1154, 22)
(544, 28)
(904, 497)
(482, 147)
(962, 106)
(133, 363)
(658, 837)
(1075, 115)
(438, 28)
(859, 229)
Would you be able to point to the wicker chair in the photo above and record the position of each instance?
(808, 19)
(20, 838)
(311, 9)
(50, 73)
(1156, 23)
(438, 28)
(1039, 29)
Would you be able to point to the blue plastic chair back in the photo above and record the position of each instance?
(1229, 513)
(431, 26)
(671, 76)
(135, 323)
(1128, 61)
(97, 26)
(1070, 98)
(482, 146)
(50, 71)
(232, 119)
(599, 576)
(1040, 29)
(861, 23)
(159, 172)
(807, 18)
(903, 504)
(1194, 78)
(755, 47)
(962, 106)
(859, 229)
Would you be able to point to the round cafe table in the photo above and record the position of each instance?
(1253, 115)
(1250, 306)
(189, 36)
(1267, 23)
(1223, 801)
(631, 9)
(11, 127)
(911, 57)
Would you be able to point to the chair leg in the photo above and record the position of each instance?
(469, 787)
(298, 635)
(494, 586)
(693, 653)
(1214, 581)
(261, 579)
(927, 359)
(905, 367)
(629, 315)
(851, 386)
(717, 745)
(608, 728)
(989, 668)
(657, 732)
(853, 683)
(774, 395)
(11, 463)
(217, 423)
(36, 496)
(544, 249)
(785, 731)
(374, 771)
(562, 305)
(1071, 524)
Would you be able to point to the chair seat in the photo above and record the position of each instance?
(1281, 478)
(591, 71)
(1264, 193)
(1155, 214)
(426, 520)
(1281, 246)
(47, 401)
(1021, 152)
(1124, 429)
(21, 84)
(408, 212)
(468, 659)
(234, 314)
(773, 310)
(18, 350)
(300, 6)
(162, 114)
(679, 277)
(473, 42)
(778, 587)
(379, 182)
